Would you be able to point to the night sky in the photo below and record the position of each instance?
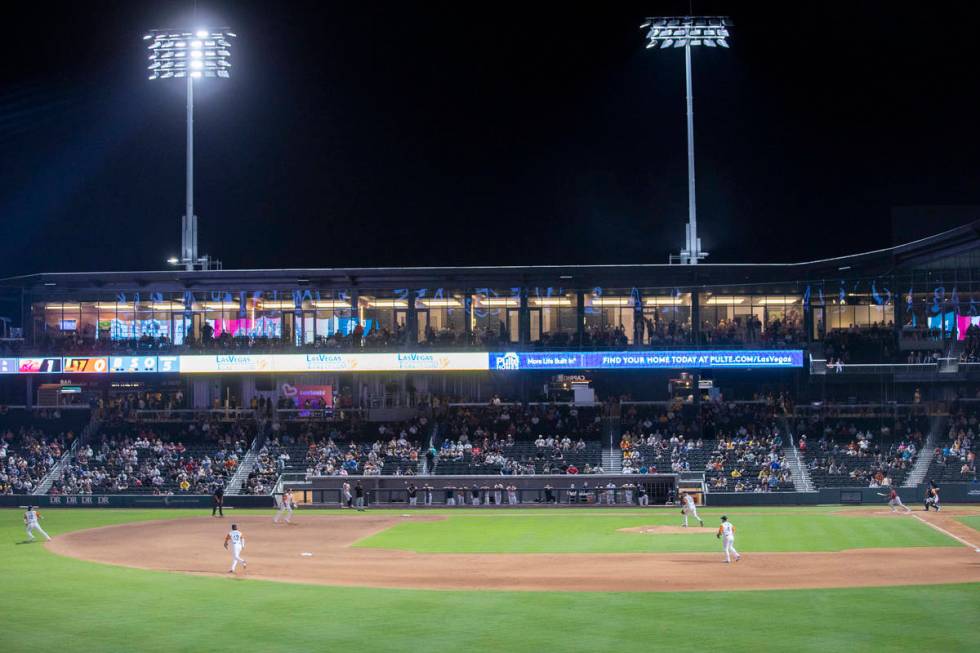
(384, 134)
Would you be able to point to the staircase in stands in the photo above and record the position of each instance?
(938, 425)
(612, 456)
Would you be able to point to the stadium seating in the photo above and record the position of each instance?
(161, 459)
(860, 451)
(955, 458)
(514, 439)
(26, 457)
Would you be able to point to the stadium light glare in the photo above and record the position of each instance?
(192, 56)
(688, 32)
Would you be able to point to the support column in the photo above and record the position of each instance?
(524, 320)
(411, 321)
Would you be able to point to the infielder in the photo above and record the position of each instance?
(894, 501)
(237, 541)
(726, 533)
(689, 508)
(31, 518)
(286, 507)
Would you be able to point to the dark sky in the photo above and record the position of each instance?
(379, 134)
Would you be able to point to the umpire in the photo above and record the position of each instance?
(218, 502)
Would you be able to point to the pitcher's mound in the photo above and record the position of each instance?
(667, 530)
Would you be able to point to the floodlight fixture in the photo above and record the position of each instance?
(190, 55)
(687, 32)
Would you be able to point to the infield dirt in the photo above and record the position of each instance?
(275, 552)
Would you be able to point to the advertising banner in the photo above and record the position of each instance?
(626, 360)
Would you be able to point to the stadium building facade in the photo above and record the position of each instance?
(538, 319)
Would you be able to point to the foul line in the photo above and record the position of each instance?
(945, 532)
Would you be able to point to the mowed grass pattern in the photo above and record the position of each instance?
(570, 532)
(49, 602)
(973, 521)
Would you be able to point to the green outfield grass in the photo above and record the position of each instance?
(574, 532)
(49, 602)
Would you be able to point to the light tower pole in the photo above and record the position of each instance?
(197, 55)
(687, 32)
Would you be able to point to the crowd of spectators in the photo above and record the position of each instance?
(27, 456)
(519, 440)
(877, 343)
(851, 453)
(739, 446)
(394, 450)
(971, 345)
(956, 458)
(749, 329)
(147, 459)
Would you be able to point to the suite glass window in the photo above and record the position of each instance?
(610, 317)
(495, 315)
(440, 316)
(553, 317)
(666, 318)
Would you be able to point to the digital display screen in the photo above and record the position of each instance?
(627, 360)
(39, 365)
(87, 364)
(409, 362)
(132, 364)
(427, 361)
(168, 363)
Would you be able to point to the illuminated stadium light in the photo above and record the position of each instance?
(201, 54)
(499, 302)
(550, 301)
(686, 32)
(612, 301)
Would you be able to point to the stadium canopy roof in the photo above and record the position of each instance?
(922, 252)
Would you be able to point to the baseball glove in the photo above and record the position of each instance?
(718, 535)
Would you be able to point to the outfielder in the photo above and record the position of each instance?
(31, 518)
(726, 533)
(237, 541)
(894, 501)
(286, 507)
(689, 508)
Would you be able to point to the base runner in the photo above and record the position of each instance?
(726, 533)
(31, 518)
(689, 508)
(237, 541)
(894, 501)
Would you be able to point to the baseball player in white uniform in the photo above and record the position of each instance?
(726, 532)
(689, 508)
(31, 518)
(286, 507)
(237, 542)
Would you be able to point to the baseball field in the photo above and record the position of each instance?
(810, 579)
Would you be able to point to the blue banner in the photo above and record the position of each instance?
(634, 360)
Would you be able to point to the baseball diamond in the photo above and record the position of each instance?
(470, 375)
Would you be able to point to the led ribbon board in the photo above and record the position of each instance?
(636, 360)
(408, 362)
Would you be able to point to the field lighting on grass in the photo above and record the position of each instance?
(687, 32)
(198, 55)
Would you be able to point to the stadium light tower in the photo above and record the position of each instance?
(197, 55)
(687, 32)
